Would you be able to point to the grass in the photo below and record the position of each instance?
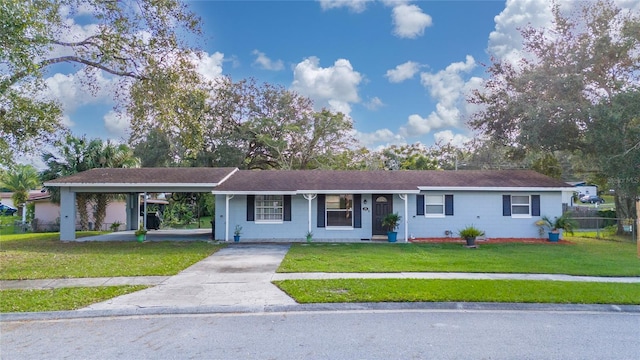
(421, 290)
(205, 223)
(583, 257)
(59, 299)
(43, 256)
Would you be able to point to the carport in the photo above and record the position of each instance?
(131, 182)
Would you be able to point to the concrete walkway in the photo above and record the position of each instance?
(240, 276)
(234, 276)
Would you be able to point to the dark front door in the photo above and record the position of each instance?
(382, 205)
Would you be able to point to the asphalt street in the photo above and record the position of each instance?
(366, 334)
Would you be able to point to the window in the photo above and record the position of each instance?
(269, 208)
(520, 206)
(434, 205)
(339, 210)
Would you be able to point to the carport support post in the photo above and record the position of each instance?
(67, 214)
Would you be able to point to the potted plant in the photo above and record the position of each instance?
(391, 222)
(236, 233)
(564, 222)
(470, 233)
(115, 226)
(309, 236)
(141, 234)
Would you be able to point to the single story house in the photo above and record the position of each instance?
(350, 205)
(283, 205)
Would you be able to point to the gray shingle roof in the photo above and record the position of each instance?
(174, 175)
(311, 180)
(409, 180)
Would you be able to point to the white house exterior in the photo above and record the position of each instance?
(349, 205)
(283, 205)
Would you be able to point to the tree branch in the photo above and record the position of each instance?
(4, 85)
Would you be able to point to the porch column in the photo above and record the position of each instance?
(310, 197)
(226, 217)
(406, 216)
(67, 214)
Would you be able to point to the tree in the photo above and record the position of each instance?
(546, 102)
(154, 150)
(79, 154)
(543, 101)
(244, 124)
(20, 179)
(132, 41)
(614, 131)
(108, 155)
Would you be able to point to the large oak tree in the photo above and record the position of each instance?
(129, 40)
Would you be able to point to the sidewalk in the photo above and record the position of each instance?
(157, 280)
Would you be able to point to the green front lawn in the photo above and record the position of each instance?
(583, 257)
(440, 290)
(43, 256)
(59, 299)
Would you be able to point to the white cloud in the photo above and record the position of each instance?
(409, 21)
(448, 137)
(265, 63)
(116, 124)
(505, 41)
(403, 72)
(446, 85)
(356, 6)
(66, 121)
(70, 91)
(209, 66)
(379, 136)
(448, 88)
(335, 86)
(374, 104)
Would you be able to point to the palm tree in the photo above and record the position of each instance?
(109, 155)
(72, 158)
(20, 179)
(79, 154)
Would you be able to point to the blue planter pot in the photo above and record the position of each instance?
(392, 236)
(554, 237)
(236, 238)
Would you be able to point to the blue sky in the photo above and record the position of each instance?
(400, 69)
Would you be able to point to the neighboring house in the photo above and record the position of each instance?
(349, 205)
(47, 213)
(582, 188)
(338, 205)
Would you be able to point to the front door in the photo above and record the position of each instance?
(382, 205)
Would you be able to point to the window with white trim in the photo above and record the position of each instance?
(269, 208)
(520, 206)
(434, 205)
(339, 210)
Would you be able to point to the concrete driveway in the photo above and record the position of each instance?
(238, 275)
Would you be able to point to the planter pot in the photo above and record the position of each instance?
(392, 236)
(309, 238)
(554, 236)
(236, 238)
(141, 238)
(471, 241)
